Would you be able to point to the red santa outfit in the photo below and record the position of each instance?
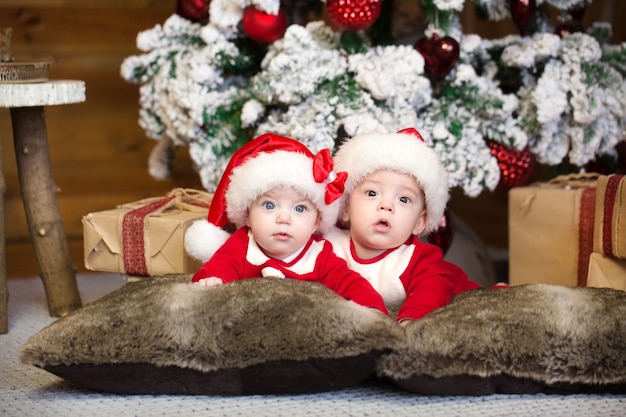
(240, 256)
(265, 163)
(413, 278)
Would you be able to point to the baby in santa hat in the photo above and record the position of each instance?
(397, 190)
(281, 197)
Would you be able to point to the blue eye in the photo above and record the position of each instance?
(300, 208)
(268, 205)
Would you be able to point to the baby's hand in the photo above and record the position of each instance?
(210, 282)
(404, 322)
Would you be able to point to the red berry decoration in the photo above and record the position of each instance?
(194, 10)
(353, 14)
(522, 13)
(515, 166)
(264, 27)
(440, 55)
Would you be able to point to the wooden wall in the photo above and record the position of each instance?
(98, 151)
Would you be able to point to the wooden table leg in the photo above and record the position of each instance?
(4, 291)
(42, 212)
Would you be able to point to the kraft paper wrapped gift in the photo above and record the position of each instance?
(146, 237)
(610, 225)
(551, 231)
(606, 272)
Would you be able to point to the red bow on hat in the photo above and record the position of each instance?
(323, 172)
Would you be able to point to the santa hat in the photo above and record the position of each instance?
(404, 152)
(264, 163)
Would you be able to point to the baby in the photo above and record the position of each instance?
(281, 197)
(397, 189)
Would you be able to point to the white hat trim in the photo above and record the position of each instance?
(276, 169)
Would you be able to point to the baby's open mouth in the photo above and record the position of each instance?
(382, 225)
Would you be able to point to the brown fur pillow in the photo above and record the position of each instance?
(256, 336)
(526, 339)
(165, 336)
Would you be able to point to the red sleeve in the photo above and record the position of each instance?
(428, 282)
(460, 280)
(227, 262)
(336, 275)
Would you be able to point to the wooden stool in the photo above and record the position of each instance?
(26, 102)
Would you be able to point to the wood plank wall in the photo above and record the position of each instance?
(98, 151)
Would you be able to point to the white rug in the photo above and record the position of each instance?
(29, 391)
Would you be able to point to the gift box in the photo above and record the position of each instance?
(610, 226)
(551, 231)
(145, 237)
(606, 272)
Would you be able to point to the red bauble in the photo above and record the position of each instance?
(353, 14)
(515, 166)
(264, 27)
(522, 13)
(194, 10)
(440, 55)
(442, 237)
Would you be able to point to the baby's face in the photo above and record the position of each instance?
(384, 210)
(282, 221)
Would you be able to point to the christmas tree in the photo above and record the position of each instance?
(218, 73)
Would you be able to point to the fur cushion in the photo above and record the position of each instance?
(256, 336)
(259, 336)
(525, 339)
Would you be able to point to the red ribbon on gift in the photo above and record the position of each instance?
(585, 233)
(586, 216)
(133, 224)
(609, 203)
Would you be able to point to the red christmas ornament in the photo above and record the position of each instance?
(194, 10)
(440, 55)
(353, 14)
(522, 13)
(442, 237)
(515, 166)
(264, 27)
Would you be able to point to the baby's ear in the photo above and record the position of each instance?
(345, 217)
(318, 221)
(420, 224)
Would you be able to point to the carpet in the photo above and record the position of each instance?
(29, 391)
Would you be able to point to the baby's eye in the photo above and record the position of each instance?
(371, 193)
(268, 205)
(300, 208)
(404, 200)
